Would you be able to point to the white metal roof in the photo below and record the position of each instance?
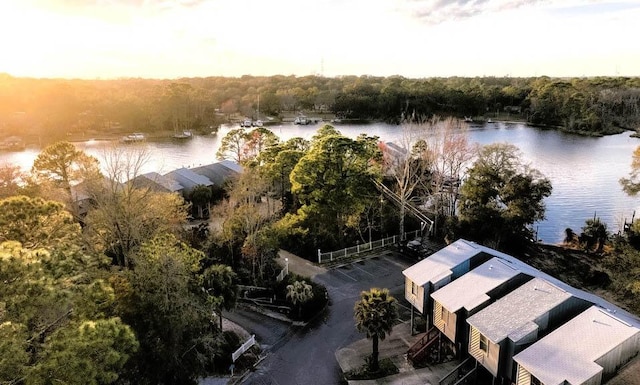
(569, 353)
(439, 264)
(513, 315)
(470, 290)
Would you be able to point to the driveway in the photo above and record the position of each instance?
(307, 355)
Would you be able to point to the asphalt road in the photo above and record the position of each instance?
(305, 355)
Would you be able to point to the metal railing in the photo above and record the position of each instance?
(345, 253)
(246, 346)
(283, 272)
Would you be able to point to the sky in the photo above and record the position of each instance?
(412, 38)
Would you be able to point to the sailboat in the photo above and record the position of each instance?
(258, 122)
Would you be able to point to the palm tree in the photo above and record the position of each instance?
(299, 292)
(221, 287)
(375, 314)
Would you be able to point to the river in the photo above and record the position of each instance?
(584, 171)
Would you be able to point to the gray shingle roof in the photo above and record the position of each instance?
(513, 315)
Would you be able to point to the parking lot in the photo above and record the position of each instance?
(382, 270)
(307, 355)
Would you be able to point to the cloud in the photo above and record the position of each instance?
(435, 12)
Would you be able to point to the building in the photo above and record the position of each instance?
(437, 270)
(219, 173)
(517, 320)
(158, 183)
(587, 350)
(469, 294)
(188, 179)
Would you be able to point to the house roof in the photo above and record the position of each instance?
(218, 173)
(231, 165)
(513, 315)
(470, 290)
(569, 353)
(594, 299)
(439, 264)
(188, 178)
(162, 181)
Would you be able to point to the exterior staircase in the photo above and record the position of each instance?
(464, 374)
(421, 348)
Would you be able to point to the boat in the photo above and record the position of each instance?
(302, 120)
(183, 135)
(489, 121)
(135, 137)
(468, 119)
(12, 143)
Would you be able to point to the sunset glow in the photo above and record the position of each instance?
(412, 38)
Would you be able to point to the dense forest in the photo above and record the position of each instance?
(41, 107)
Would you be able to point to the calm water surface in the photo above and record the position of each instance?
(584, 171)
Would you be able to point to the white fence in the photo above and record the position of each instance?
(246, 346)
(331, 256)
(283, 272)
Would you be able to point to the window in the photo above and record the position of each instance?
(443, 313)
(484, 344)
(414, 288)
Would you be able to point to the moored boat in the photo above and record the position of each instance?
(135, 137)
(183, 135)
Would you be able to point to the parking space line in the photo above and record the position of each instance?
(338, 270)
(354, 265)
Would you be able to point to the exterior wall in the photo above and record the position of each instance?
(488, 359)
(523, 377)
(461, 269)
(619, 356)
(445, 321)
(595, 380)
(560, 314)
(417, 297)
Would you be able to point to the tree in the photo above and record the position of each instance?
(219, 282)
(124, 216)
(56, 323)
(36, 223)
(375, 315)
(201, 196)
(332, 182)
(11, 181)
(257, 141)
(501, 197)
(594, 232)
(631, 185)
(166, 306)
(407, 168)
(65, 166)
(277, 162)
(232, 146)
(299, 292)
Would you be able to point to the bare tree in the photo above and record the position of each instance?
(126, 213)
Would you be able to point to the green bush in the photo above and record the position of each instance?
(387, 368)
(309, 308)
(228, 343)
